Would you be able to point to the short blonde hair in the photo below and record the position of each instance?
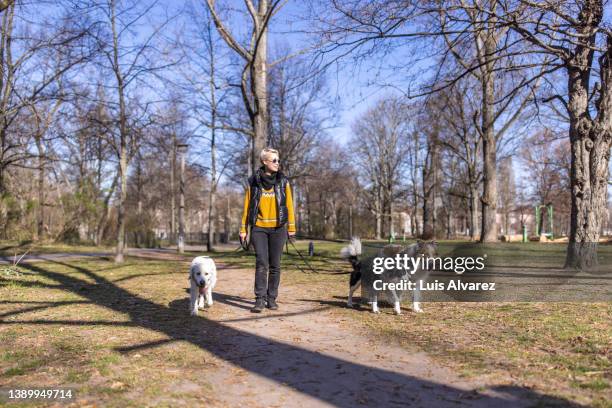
(267, 152)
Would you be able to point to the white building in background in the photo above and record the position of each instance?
(405, 224)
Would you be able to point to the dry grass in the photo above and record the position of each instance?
(54, 334)
(41, 348)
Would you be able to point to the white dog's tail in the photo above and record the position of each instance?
(353, 250)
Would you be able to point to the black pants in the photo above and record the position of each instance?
(268, 243)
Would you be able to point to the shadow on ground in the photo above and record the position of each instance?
(335, 381)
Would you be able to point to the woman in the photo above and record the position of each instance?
(268, 211)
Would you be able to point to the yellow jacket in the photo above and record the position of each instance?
(266, 213)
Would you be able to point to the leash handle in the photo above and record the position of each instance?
(246, 242)
(290, 238)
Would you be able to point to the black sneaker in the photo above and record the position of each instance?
(259, 305)
(272, 304)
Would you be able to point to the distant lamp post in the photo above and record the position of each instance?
(180, 245)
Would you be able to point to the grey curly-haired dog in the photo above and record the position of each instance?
(363, 272)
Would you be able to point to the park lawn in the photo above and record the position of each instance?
(61, 338)
(560, 349)
(18, 248)
(563, 349)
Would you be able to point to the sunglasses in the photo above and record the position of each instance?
(275, 161)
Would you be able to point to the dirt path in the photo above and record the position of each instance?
(303, 355)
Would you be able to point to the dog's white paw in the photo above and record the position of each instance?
(209, 304)
(418, 310)
(349, 304)
(398, 312)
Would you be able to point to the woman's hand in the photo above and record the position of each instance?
(242, 235)
(291, 233)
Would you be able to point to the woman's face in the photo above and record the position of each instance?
(272, 163)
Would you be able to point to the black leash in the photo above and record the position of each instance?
(244, 246)
(301, 256)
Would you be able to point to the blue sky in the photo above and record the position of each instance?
(356, 85)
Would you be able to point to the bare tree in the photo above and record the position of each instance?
(128, 61)
(472, 27)
(547, 158)
(208, 88)
(457, 115)
(507, 192)
(299, 112)
(254, 77)
(381, 145)
(4, 4)
(569, 35)
(472, 40)
(83, 156)
(33, 55)
(415, 163)
(42, 119)
(431, 168)
(327, 189)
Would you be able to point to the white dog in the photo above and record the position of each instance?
(203, 277)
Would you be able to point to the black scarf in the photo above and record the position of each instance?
(267, 180)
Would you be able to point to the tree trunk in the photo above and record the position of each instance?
(415, 222)
(40, 222)
(489, 194)
(121, 209)
(172, 189)
(350, 221)
(181, 235)
(589, 179)
(259, 85)
(473, 212)
(106, 213)
(429, 184)
(212, 199)
(228, 218)
(489, 145)
(213, 150)
(308, 213)
(590, 149)
(139, 238)
(3, 189)
(123, 159)
(2, 181)
(449, 231)
(122, 170)
(378, 210)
